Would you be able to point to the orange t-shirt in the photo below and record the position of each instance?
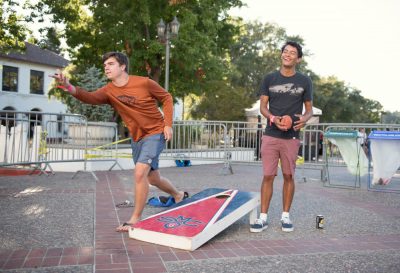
(136, 102)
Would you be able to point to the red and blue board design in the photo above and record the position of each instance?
(195, 214)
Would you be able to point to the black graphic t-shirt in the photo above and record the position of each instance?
(286, 97)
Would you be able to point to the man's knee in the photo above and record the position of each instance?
(288, 178)
(154, 177)
(141, 172)
(268, 179)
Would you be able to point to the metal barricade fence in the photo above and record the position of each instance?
(37, 139)
(322, 154)
(232, 141)
(22, 133)
(70, 138)
(311, 150)
(333, 157)
(245, 139)
(225, 141)
(198, 140)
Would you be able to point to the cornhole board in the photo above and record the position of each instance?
(192, 222)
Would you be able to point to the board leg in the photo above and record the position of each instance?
(253, 215)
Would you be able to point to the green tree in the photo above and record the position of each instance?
(222, 102)
(341, 103)
(254, 52)
(51, 40)
(93, 27)
(12, 27)
(91, 80)
(390, 117)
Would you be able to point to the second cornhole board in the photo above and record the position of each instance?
(192, 222)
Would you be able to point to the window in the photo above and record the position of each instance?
(8, 118)
(10, 78)
(37, 82)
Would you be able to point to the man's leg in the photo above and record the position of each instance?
(261, 223)
(266, 192)
(287, 198)
(141, 190)
(287, 192)
(288, 162)
(270, 157)
(165, 185)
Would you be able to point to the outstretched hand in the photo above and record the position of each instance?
(63, 82)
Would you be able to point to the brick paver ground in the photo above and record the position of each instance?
(363, 228)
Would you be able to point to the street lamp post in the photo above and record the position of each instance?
(165, 34)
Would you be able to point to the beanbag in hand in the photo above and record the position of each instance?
(286, 121)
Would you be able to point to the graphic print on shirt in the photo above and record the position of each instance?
(290, 88)
(128, 100)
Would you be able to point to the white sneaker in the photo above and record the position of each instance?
(287, 225)
(258, 226)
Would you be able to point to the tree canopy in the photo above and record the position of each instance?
(341, 103)
(51, 40)
(13, 29)
(214, 55)
(93, 27)
(92, 79)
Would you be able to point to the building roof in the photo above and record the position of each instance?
(35, 54)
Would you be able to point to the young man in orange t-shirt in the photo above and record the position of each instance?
(135, 99)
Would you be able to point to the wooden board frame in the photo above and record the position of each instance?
(236, 206)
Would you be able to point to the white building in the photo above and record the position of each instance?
(25, 80)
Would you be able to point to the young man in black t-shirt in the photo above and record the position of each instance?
(282, 95)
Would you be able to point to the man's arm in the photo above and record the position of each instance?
(167, 106)
(97, 97)
(266, 113)
(305, 117)
(264, 107)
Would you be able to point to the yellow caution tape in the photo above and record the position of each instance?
(299, 161)
(99, 148)
(43, 143)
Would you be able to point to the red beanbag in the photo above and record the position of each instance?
(287, 122)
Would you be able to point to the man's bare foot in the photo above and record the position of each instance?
(124, 227)
(182, 195)
(127, 225)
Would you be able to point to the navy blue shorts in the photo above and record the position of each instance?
(148, 150)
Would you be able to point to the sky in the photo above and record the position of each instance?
(358, 41)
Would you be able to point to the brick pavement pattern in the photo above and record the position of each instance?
(362, 232)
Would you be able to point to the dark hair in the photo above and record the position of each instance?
(120, 57)
(296, 45)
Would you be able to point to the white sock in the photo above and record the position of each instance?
(264, 216)
(285, 214)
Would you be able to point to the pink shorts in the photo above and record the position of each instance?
(273, 149)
